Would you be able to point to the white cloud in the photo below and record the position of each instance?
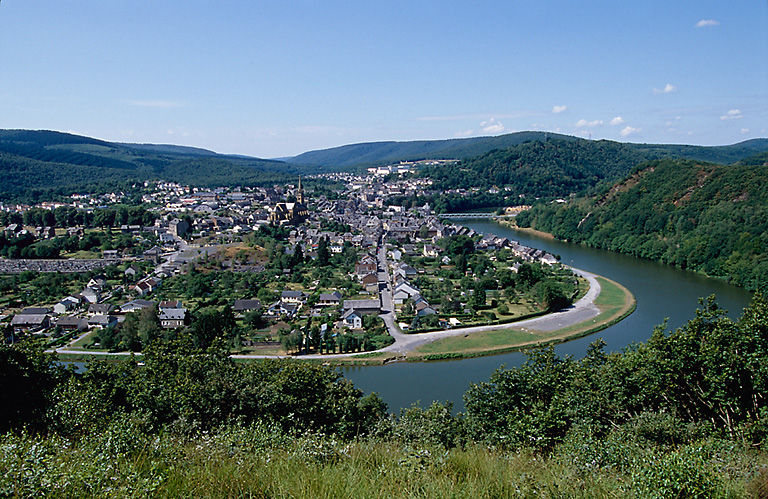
(159, 104)
(559, 109)
(733, 114)
(668, 89)
(582, 123)
(492, 126)
(618, 120)
(744, 131)
(628, 130)
(705, 23)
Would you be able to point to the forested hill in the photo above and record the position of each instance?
(698, 216)
(546, 169)
(39, 163)
(376, 153)
(555, 168)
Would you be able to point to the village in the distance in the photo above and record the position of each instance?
(328, 267)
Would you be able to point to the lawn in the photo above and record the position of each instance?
(476, 342)
(614, 301)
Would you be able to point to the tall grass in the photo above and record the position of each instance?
(262, 462)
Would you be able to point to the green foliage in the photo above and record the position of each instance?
(547, 169)
(706, 218)
(551, 295)
(211, 324)
(28, 378)
(185, 390)
(436, 425)
(389, 152)
(138, 330)
(705, 373)
(684, 473)
(679, 416)
(33, 161)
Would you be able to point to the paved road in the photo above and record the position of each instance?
(581, 311)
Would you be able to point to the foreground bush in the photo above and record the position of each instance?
(684, 415)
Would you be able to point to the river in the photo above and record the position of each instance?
(661, 292)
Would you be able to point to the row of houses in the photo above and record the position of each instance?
(171, 315)
(526, 253)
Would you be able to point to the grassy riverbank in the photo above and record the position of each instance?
(614, 301)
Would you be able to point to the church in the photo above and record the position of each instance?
(290, 213)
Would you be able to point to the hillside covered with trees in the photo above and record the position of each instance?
(377, 153)
(558, 168)
(683, 415)
(37, 164)
(698, 216)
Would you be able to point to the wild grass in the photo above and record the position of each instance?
(257, 462)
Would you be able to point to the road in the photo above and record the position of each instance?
(581, 311)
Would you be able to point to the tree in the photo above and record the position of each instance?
(291, 341)
(323, 255)
(551, 296)
(298, 256)
(212, 323)
(478, 297)
(28, 378)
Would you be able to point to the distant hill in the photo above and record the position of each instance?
(373, 153)
(370, 153)
(39, 162)
(699, 216)
(556, 168)
(171, 149)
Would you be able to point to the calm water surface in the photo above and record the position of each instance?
(661, 292)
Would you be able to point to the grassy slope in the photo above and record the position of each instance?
(253, 462)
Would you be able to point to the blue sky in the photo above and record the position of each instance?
(274, 79)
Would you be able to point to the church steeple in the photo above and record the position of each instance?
(300, 193)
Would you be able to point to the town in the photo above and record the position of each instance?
(333, 268)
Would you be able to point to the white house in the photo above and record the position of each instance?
(352, 319)
(90, 295)
(66, 304)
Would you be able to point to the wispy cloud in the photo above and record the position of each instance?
(159, 104)
(559, 109)
(492, 126)
(582, 123)
(628, 130)
(706, 23)
(744, 131)
(668, 89)
(618, 120)
(733, 114)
